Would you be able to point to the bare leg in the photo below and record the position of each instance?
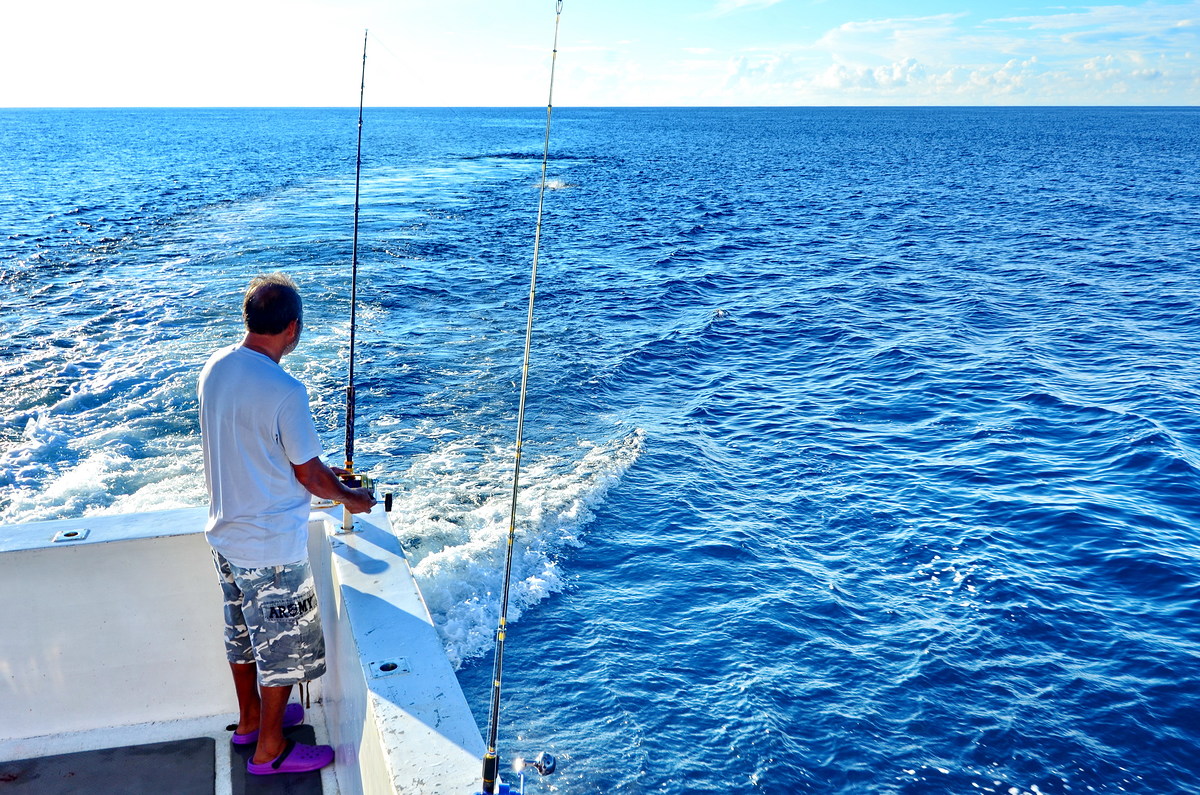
(270, 729)
(245, 682)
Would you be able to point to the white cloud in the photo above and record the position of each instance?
(883, 39)
(1129, 20)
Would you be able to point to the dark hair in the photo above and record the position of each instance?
(271, 303)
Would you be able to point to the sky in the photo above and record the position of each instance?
(281, 53)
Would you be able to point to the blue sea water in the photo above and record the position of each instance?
(863, 452)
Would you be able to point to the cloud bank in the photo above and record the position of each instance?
(1104, 55)
(1146, 54)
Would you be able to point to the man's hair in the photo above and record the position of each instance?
(271, 303)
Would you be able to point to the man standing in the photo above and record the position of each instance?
(261, 463)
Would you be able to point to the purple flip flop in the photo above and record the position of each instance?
(296, 758)
(293, 715)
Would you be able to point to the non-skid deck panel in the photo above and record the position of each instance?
(188, 767)
(280, 783)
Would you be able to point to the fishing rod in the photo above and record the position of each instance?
(349, 477)
(544, 763)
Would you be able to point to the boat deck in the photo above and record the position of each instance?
(193, 755)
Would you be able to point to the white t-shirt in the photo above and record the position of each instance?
(254, 424)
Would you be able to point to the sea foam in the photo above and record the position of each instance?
(452, 516)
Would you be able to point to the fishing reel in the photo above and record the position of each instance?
(355, 480)
(543, 763)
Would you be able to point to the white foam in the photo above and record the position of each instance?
(452, 515)
(114, 439)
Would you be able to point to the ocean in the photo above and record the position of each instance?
(863, 445)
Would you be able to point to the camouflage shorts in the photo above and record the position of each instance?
(271, 619)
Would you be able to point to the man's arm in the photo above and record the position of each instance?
(321, 482)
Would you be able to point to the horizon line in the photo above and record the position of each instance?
(587, 107)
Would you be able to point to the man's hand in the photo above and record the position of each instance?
(358, 500)
(323, 482)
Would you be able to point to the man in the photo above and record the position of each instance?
(261, 463)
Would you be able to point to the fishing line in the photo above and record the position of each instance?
(490, 759)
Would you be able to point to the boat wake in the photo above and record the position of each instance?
(452, 515)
